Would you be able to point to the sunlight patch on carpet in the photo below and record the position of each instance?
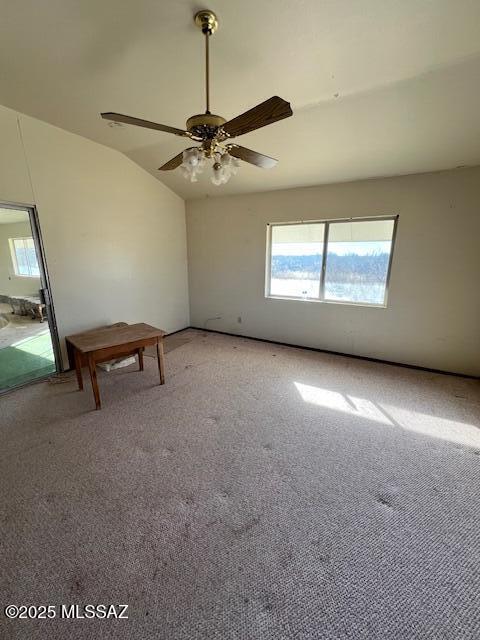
(360, 407)
(393, 416)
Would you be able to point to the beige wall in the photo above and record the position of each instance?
(115, 244)
(11, 284)
(114, 236)
(433, 312)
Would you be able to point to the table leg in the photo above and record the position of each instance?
(93, 378)
(161, 362)
(78, 369)
(140, 359)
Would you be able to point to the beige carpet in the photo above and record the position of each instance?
(264, 492)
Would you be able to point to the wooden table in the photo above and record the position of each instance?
(108, 343)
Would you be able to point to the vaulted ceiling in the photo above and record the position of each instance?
(378, 87)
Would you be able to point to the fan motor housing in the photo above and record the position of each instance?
(205, 125)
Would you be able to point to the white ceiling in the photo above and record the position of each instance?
(11, 216)
(378, 87)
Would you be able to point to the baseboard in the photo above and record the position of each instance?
(172, 333)
(343, 355)
(335, 353)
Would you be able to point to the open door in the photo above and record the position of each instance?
(29, 347)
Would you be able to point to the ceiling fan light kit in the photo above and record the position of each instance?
(213, 131)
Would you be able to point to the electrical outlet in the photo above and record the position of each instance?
(239, 319)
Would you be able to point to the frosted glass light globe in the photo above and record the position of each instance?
(191, 157)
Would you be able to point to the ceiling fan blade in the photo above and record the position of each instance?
(138, 122)
(267, 112)
(173, 163)
(258, 159)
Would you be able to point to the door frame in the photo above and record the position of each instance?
(45, 291)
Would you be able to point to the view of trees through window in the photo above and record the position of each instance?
(356, 261)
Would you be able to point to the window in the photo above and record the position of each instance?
(297, 254)
(332, 261)
(24, 257)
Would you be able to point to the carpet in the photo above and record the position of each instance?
(26, 360)
(264, 492)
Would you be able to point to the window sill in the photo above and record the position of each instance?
(343, 303)
(17, 275)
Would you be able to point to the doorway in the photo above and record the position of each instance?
(29, 347)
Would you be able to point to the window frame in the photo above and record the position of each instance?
(13, 252)
(327, 222)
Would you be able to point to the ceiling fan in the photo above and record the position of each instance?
(214, 132)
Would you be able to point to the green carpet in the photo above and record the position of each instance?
(27, 360)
